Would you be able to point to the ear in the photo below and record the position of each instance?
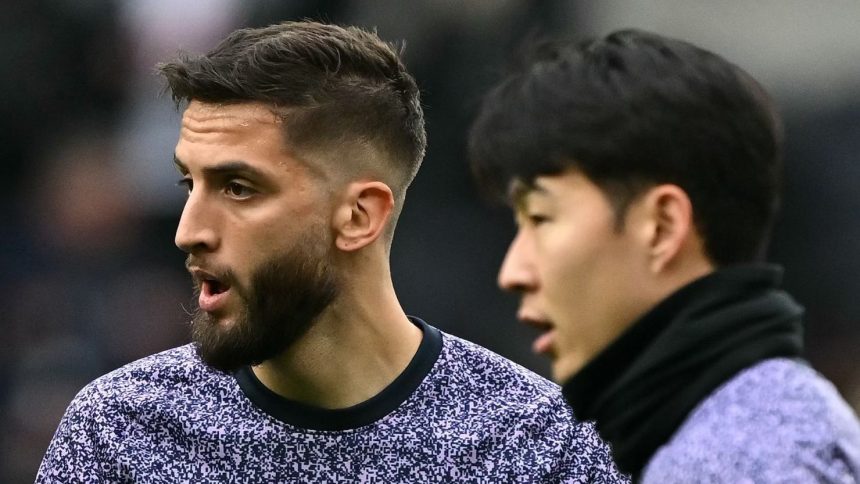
(362, 215)
(670, 228)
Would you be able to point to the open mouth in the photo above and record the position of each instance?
(543, 344)
(214, 287)
(213, 292)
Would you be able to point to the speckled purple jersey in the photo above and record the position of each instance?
(776, 422)
(458, 413)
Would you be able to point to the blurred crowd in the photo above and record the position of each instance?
(89, 276)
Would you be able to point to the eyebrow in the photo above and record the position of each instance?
(520, 190)
(226, 167)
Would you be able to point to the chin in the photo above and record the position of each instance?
(224, 321)
(560, 376)
(564, 370)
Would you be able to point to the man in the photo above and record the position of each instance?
(643, 172)
(296, 147)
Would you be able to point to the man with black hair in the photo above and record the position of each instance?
(644, 174)
(297, 145)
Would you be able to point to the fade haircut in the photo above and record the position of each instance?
(342, 93)
(633, 110)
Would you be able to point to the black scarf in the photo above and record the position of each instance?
(641, 388)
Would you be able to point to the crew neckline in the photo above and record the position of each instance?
(386, 401)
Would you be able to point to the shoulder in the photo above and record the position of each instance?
(167, 369)
(157, 380)
(480, 370)
(776, 420)
(529, 410)
(122, 405)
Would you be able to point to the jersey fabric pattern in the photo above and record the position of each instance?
(458, 413)
(778, 421)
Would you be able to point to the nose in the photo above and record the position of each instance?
(196, 231)
(517, 273)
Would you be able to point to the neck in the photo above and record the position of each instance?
(356, 348)
(678, 353)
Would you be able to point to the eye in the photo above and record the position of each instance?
(537, 219)
(186, 183)
(238, 190)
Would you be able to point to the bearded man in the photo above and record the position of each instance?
(297, 145)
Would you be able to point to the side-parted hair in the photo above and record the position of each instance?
(340, 91)
(633, 110)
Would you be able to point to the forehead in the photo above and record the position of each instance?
(570, 186)
(202, 121)
(247, 132)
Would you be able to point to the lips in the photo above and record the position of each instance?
(543, 344)
(213, 290)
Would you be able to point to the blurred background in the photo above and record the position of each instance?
(89, 276)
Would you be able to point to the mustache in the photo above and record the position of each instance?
(222, 273)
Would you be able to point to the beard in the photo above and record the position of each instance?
(285, 297)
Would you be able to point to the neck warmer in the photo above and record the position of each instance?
(641, 388)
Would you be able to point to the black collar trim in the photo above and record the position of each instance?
(389, 399)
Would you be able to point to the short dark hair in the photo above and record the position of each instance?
(333, 86)
(632, 110)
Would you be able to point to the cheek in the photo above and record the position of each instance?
(282, 234)
(582, 278)
(567, 264)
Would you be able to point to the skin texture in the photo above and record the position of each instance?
(583, 281)
(252, 200)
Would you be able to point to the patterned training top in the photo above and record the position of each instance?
(778, 421)
(457, 413)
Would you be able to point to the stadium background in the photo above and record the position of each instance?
(89, 276)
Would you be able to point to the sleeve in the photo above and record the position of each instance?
(586, 457)
(778, 460)
(78, 453)
(602, 466)
(587, 451)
